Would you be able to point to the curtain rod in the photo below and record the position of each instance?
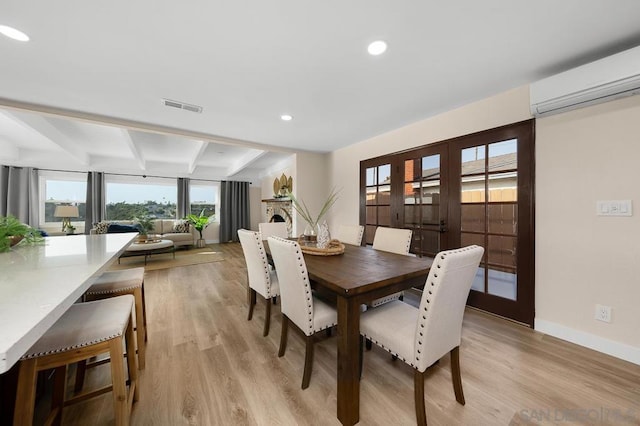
(130, 174)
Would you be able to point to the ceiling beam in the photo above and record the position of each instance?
(245, 162)
(129, 138)
(44, 127)
(137, 125)
(202, 147)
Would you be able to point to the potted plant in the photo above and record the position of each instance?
(145, 223)
(199, 222)
(310, 230)
(12, 231)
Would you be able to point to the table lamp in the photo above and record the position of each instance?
(66, 213)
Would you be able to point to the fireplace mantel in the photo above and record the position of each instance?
(283, 207)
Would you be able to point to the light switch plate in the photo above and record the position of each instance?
(614, 208)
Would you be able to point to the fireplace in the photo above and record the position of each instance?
(280, 210)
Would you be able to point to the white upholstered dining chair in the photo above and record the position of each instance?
(273, 229)
(298, 305)
(350, 234)
(393, 240)
(261, 277)
(422, 336)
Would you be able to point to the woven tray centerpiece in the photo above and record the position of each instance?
(334, 247)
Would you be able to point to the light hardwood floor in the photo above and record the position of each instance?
(208, 365)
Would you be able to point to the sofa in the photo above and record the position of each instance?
(178, 231)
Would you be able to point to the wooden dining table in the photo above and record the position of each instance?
(358, 276)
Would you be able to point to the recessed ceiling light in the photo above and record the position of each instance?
(12, 33)
(377, 48)
(286, 117)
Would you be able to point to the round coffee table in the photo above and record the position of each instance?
(147, 248)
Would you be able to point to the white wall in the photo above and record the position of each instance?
(583, 259)
(581, 156)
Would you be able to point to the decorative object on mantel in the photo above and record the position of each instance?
(311, 228)
(333, 247)
(200, 223)
(12, 232)
(283, 186)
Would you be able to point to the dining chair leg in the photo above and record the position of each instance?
(456, 378)
(327, 332)
(308, 362)
(252, 303)
(418, 385)
(267, 317)
(81, 369)
(283, 335)
(274, 299)
(368, 344)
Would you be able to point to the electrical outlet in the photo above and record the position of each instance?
(603, 313)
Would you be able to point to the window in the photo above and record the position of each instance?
(204, 195)
(378, 199)
(59, 189)
(127, 197)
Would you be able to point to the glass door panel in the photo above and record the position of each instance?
(423, 210)
(377, 199)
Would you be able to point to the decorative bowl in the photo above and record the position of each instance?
(14, 239)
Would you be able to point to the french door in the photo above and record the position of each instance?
(475, 189)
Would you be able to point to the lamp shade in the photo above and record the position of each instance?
(66, 211)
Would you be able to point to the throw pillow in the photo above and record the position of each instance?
(181, 227)
(101, 227)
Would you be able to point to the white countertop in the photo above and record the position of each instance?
(38, 283)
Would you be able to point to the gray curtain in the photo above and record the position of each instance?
(234, 209)
(184, 203)
(95, 205)
(19, 194)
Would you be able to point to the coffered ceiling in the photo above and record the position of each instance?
(247, 63)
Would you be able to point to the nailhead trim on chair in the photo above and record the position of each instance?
(423, 317)
(80, 345)
(265, 263)
(303, 270)
(390, 351)
(119, 290)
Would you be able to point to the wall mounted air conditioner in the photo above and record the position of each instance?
(609, 78)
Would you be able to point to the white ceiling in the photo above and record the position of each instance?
(248, 62)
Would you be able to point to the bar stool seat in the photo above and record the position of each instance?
(85, 330)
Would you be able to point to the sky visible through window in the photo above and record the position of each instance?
(75, 191)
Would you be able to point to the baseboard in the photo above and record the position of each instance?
(588, 340)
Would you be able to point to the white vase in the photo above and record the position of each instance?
(323, 235)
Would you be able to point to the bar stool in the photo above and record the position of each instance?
(85, 330)
(117, 283)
